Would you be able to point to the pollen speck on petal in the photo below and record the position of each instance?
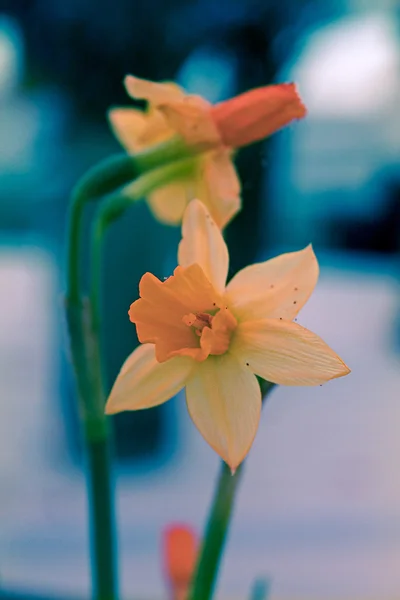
(286, 353)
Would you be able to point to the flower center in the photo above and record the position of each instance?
(215, 331)
(198, 321)
(182, 316)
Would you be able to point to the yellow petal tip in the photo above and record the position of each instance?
(342, 372)
(346, 370)
(128, 80)
(109, 410)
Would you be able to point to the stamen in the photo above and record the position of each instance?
(214, 331)
(198, 321)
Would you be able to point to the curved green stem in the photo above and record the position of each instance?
(96, 247)
(172, 150)
(105, 178)
(98, 181)
(87, 366)
(112, 208)
(83, 325)
(83, 319)
(218, 524)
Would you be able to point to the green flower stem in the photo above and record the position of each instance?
(105, 178)
(83, 326)
(85, 355)
(215, 534)
(83, 323)
(113, 207)
(217, 526)
(96, 438)
(86, 360)
(98, 456)
(167, 152)
(98, 181)
(104, 555)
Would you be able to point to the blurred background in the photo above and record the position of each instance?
(319, 510)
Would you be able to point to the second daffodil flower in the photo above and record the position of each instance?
(211, 132)
(212, 338)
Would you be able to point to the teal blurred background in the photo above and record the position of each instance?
(319, 510)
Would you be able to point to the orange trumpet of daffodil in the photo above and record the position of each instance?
(212, 338)
(212, 132)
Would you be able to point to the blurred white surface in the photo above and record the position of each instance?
(319, 507)
(361, 58)
(338, 163)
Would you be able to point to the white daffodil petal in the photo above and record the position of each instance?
(224, 401)
(286, 353)
(143, 382)
(218, 186)
(154, 92)
(202, 243)
(277, 288)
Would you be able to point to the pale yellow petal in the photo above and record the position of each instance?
(224, 401)
(202, 243)
(154, 92)
(168, 202)
(156, 131)
(136, 130)
(127, 124)
(286, 353)
(191, 118)
(277, 288)
(217, 186)
(143, 382)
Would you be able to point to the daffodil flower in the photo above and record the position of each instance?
(212, 338)
(211, 132)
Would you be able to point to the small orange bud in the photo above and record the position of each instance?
(257, 114)
(179, 554)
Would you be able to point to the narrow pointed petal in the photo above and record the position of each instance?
(154, 92)
(143, 382)
(218, 187)
(136, 129)
(286, 353)
(168, 202)
(127, 124)
(224, 401)
(277, 288)
(202, 243)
